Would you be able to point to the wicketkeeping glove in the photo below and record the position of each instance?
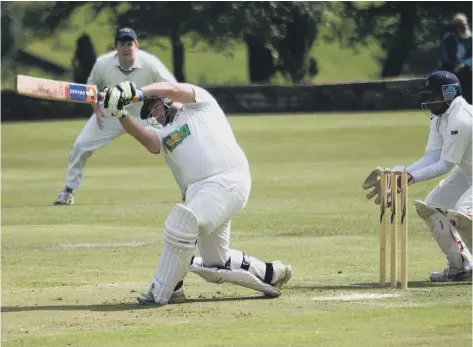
(372, 181)
(114, 103)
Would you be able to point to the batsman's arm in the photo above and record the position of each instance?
(178, 92)
(97, 109)
(147, 137)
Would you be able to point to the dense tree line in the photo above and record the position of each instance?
(278, 35)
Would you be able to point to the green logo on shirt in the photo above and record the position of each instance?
(175, 138)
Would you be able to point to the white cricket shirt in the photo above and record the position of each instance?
(451, 133)
(200, 142)
(146, 69)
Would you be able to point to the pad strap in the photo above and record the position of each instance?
(268, 276)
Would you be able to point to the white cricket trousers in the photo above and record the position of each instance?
(215, 201)
(89, 140)
(452, 193)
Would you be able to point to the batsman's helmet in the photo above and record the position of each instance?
(150, 111)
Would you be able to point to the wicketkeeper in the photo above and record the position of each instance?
(447, 209)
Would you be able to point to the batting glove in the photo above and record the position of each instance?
(114, 103)
(130, 91)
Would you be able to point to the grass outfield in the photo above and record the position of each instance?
(70, 274)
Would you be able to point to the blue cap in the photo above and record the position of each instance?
(127, 33)
(437, 81)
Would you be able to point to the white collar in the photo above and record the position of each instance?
(455, 101)
(137, 64)
(452, 105)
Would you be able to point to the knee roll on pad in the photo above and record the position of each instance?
(445, 233)
(425, 212)
(462, 222)
(181, 228)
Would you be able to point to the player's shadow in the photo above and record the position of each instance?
(374, 286)
(119, 306)
(93, 204)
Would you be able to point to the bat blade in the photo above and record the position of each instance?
(57, 90)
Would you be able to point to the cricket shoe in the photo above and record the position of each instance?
(451, 274)
(286, 276)
(177, 297)
(65, 198)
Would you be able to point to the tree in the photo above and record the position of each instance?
(84, 59)
(150, 19)
(278, 35)
(165, 19)
(294, 47)
(399, 26)
(12, 38)
(12, 27)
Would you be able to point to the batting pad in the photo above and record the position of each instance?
(462, 223)
(239, 277)
(180, 237)
(444, 233)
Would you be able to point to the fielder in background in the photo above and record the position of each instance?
(192, 132)
(447, 209)
(456, 52)
(126, 63)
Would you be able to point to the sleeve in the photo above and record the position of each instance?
(439, 168)
(457, 140)
(448, 48)
(468, 62)
(158, 131)
(201, 95)
(203, 99)
(161, 72)
(429, 158)
(95, 77)
(435, 141)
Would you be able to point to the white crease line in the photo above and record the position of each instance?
(107, 244)
(355, 296)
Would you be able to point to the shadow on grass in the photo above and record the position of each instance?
(376, 286)
(95, 204)
(110, 307)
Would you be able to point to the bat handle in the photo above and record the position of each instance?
(101, 97)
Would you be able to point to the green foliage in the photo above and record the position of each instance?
(401, 28)
(222, 62)
(12, 26)
(222, 27)
(288, 27)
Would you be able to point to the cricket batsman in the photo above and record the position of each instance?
(126, 63)
(191, 131)
(447, 209)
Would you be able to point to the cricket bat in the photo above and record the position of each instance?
(58, 90)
